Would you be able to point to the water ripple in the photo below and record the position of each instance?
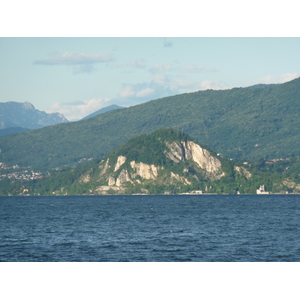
(151, 228)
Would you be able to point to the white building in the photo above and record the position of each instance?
(262, 190)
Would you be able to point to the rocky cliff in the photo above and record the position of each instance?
(166, 161)
(182, 151)
(157, 162)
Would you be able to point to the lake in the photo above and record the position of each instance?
(168, 228)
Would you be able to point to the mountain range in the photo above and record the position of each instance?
(18, 117)
(258, 122)
(102, 111)
(24, 115)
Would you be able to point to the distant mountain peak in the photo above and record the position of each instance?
(102, 111)
(24, 115)
(28, 105)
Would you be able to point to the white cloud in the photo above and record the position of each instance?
(160, 68)
(80, 62)
(163, 85)
(137, 64)
(130, 66)
(161, 80)
(211, 85)
(278, 79)
(136, 91)
(160, 86)
(193, 68)
(83, 69)
(171, 83)
(134, 64)
(289, 76)
(78, 110)
(178, 85)
(145, 92)
(71, 58)
(127, 91)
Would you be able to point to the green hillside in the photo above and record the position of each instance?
(12, 130)
(245, 123)
(166, 161)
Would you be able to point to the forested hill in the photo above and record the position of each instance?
(166, 161)
(246, 123)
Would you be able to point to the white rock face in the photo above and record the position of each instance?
(123, 177)
(104, 189)
(291, 184)
(111, 181)
(85, 178)
(201, 157)
(141, 169)
(144, 170)
(121, 160)
(175, 153)
(190, 150)
(106, 166)
(243, 171)
(180, 178)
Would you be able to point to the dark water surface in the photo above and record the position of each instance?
(150, 228)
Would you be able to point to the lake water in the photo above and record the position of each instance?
(203, 228)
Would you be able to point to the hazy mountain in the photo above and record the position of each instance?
(12, 130)
(15, 114)
(245, 123)
(102, 111)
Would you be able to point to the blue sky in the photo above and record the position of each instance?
(77, 76)
(129, 53)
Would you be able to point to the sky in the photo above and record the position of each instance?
(73, 59)
(77, 76)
